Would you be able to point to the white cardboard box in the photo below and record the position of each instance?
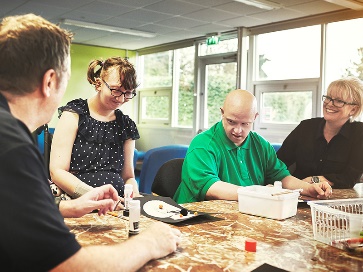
(265, 201)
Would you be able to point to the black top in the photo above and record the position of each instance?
(34, 236)
(340, 160)
(98, 151)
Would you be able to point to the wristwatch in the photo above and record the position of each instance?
(315, 179)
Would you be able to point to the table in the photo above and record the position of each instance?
(219, 245)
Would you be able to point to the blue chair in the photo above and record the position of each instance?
(138, 158)
(43, 137)
(135, 157)
(154, 159)
(276, 146)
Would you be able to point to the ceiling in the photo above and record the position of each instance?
(170, 20)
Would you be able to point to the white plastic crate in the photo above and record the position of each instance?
(265, 201)
(335, 220)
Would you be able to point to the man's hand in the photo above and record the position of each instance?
(103, 199)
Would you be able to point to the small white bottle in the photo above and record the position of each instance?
(128, 197)
(278, 184)
(134, 217)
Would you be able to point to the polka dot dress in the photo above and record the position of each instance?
(97, 154)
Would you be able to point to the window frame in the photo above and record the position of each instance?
(154, 92)
(278, 132)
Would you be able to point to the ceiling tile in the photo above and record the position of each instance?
(174, 7)
(180, 22)
(161, 29)
(169, 19)
(208, 3)
(146, 15)
(279, 15)
(244, 21)
(210, 15)
(99, 7)
(239, 8)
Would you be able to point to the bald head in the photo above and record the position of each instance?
(239, 111)
(240, 101)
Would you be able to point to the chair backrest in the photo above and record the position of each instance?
(43, 136)
(48, 137)
(154, 159)
(276, 146)
(168, 178)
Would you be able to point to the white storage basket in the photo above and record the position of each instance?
(335, 220)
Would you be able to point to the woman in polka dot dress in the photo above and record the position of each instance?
(94, 141)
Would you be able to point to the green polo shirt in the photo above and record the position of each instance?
(212, 157)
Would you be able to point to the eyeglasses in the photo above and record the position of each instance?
(118, 93)
(336, 102)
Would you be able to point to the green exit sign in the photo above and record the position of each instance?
(212, 40)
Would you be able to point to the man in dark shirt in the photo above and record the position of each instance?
(34, 73)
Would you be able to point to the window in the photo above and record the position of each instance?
(155, 105)
(288, 54)
(283, 106)
(184, 87)
(342, 37)
(221, 79)
(157, 70)
(285, 79)
(167, 88)
(344, 51)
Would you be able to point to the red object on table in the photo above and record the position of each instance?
(250, 245)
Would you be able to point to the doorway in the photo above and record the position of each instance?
(217, 77)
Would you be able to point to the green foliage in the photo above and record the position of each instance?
(286, 107)
(158, 69)
(357, 68)
(221, 80)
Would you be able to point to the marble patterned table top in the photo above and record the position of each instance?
(220, 245)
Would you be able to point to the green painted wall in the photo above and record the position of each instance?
(78, 86)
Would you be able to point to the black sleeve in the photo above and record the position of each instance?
(34, 235)
(287, 151)
(352, 169)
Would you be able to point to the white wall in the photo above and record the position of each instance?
(151, 137)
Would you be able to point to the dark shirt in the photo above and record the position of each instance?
(98, 150)
(34, 236)
(340, 160)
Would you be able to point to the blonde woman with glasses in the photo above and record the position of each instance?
(330, 148)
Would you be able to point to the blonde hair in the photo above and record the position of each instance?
(349, 88)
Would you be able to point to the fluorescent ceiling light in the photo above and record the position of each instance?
(262, 4)
(109, 28)
(352, 4)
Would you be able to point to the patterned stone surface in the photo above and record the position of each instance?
(218, 245)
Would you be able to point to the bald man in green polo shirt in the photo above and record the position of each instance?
(229, 155)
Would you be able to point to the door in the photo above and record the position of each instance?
(217, 77)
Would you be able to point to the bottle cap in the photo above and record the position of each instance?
(128, 186)
(250, 245)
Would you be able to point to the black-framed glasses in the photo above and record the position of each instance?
(118, 93)
(336, 102)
